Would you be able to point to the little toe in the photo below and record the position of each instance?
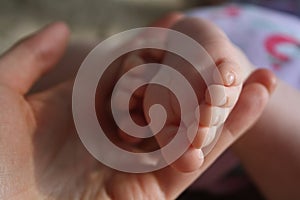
(190, 161)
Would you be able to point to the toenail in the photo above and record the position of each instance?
(216, 119)
(229, 78)
(210, 136)
(200, 154)
(215, 95)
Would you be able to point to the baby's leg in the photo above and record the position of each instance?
(230, 64)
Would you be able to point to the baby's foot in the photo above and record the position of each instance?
(216, 99)
(213, 106)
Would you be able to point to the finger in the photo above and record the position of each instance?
(252, 101)
(264, 77)
(33, 56)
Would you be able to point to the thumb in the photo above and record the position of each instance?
(33, 56)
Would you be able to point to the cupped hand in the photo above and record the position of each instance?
(41, 154)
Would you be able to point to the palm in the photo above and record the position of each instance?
(41, 152)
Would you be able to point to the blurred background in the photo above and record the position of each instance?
(95, 19)
(89, 20)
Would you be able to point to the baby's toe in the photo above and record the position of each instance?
(212, 115)
(200, 137)
(190, 161)
(204, 136)
(228, 72)
(222, 96)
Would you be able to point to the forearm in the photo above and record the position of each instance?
(270, 150)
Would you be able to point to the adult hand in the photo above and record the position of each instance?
(41, 154)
